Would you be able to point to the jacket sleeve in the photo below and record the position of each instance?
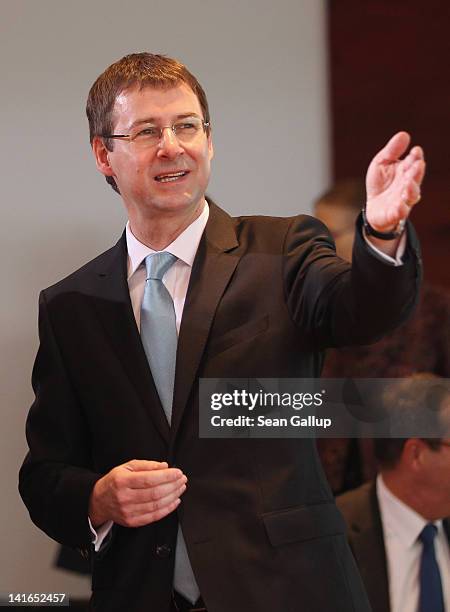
(55, 480)
(338, 304)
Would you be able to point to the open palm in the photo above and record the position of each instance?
(393, 184)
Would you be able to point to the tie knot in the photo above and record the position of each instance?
(157, 264)
(428, 534)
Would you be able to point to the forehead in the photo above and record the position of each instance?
(135, 104)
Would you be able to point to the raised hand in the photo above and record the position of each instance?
(393, 184)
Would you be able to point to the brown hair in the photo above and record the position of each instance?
(412, 396)
(141, 70)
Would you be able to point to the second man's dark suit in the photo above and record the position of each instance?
(361, 511)
(266, 296)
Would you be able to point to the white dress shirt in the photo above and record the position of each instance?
(176, 279)
(401, 529)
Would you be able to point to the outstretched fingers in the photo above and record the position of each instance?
(394, 149)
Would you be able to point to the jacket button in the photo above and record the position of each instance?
(163, 551)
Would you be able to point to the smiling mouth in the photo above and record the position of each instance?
(169, 177)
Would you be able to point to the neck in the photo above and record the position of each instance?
(159, 230)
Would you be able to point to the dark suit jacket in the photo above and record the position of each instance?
(266, 295)
(361, 512)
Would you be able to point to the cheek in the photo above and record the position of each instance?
(139, 174)
(204, 157)
(139, 165)
(439, 475)
(206, 164)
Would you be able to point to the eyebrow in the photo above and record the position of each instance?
(153, 120)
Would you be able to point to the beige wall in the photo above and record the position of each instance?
(260, 63)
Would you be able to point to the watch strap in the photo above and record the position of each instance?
(370, 231)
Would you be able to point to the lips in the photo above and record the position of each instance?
(167, 177)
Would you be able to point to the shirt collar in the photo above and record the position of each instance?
(184, 247)
(399, 519)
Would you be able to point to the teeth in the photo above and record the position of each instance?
(166, 179)
(170, 177)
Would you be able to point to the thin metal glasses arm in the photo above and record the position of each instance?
(116, 136)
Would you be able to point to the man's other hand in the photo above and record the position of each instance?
(136, 493)
(393, 184)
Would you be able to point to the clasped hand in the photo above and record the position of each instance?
(136, 493)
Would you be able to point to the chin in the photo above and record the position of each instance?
(177, 203)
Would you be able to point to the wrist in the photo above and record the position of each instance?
(392, 233)
(388, 247)
(95, 513)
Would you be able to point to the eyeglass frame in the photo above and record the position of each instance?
(205, 125)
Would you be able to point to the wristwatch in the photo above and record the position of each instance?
(370, 231)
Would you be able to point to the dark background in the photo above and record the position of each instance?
(389, 71)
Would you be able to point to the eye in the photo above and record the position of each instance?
(148, 131)
(186, 127)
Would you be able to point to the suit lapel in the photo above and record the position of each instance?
(213, 267)
(113, 305)
(446, 524)
(368, 544)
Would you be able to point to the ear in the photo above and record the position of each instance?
(413, 451)
(101, 155)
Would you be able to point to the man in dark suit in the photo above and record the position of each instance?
(385, 518)
(116, 467)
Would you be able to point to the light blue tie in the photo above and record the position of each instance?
(159, 338)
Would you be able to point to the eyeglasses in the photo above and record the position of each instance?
(148, 135)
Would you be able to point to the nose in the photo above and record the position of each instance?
(169, 145)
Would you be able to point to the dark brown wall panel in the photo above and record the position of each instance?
(390, 70)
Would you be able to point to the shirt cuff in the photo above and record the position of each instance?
(393, 261)
(98, 537)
